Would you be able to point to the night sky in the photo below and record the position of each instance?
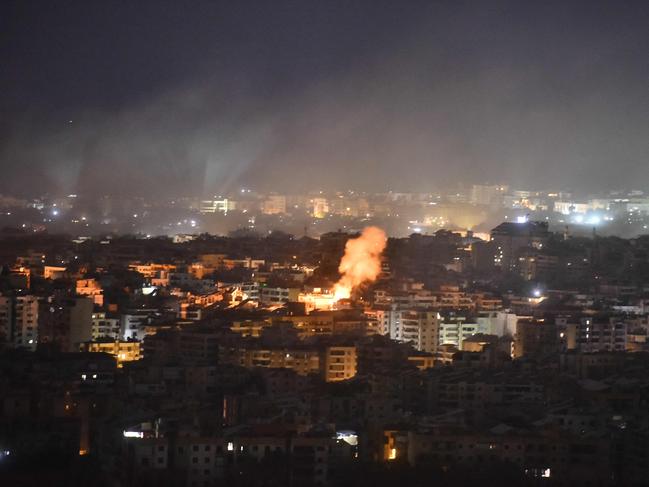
(172, 97)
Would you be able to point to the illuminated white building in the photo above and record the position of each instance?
(216, 206)
(569, 207)
(454, 329)
(416, 326)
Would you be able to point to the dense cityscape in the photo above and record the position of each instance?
(324, 243)
(471, 207)
(198, 359)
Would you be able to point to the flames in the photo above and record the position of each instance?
(361, 262)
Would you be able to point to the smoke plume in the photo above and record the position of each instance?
(361, 262)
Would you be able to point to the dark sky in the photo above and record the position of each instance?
(180, 97)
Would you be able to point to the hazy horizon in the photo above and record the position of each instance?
(156, 98)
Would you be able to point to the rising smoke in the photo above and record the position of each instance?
(361, 262)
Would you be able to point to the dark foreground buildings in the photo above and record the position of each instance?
(224, 361)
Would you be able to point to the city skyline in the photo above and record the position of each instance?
(324, 243)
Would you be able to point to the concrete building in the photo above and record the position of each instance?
(278, 295)
(569, 207)
(601, 334)
(512, 238)
(65, 323)
(104, 326)
(19, 321)
(455, 328)
(535, 337)
(339, 363)
(91, 288)
(121, 350)
(419, 327)
(533, 265)
(133, 323)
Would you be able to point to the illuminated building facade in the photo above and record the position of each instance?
(121, 350)
(339, 363)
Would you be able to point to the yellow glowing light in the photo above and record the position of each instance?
(342, 292)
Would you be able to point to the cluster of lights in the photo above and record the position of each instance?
(133, 434)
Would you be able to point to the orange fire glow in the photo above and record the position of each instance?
(361, 262)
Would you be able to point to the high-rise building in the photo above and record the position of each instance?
(454, 328)
(416, 326)
(134, 322)
(104, 326)
(511, 239)
(601, 334)
(534, 337)
(121, 350)
(65, 323)
(19, 321)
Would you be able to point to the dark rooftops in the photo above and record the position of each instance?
(526, 229)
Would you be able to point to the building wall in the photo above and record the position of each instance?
(340, 363)
(19, 321)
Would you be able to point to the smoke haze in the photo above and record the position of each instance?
(367, 95)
